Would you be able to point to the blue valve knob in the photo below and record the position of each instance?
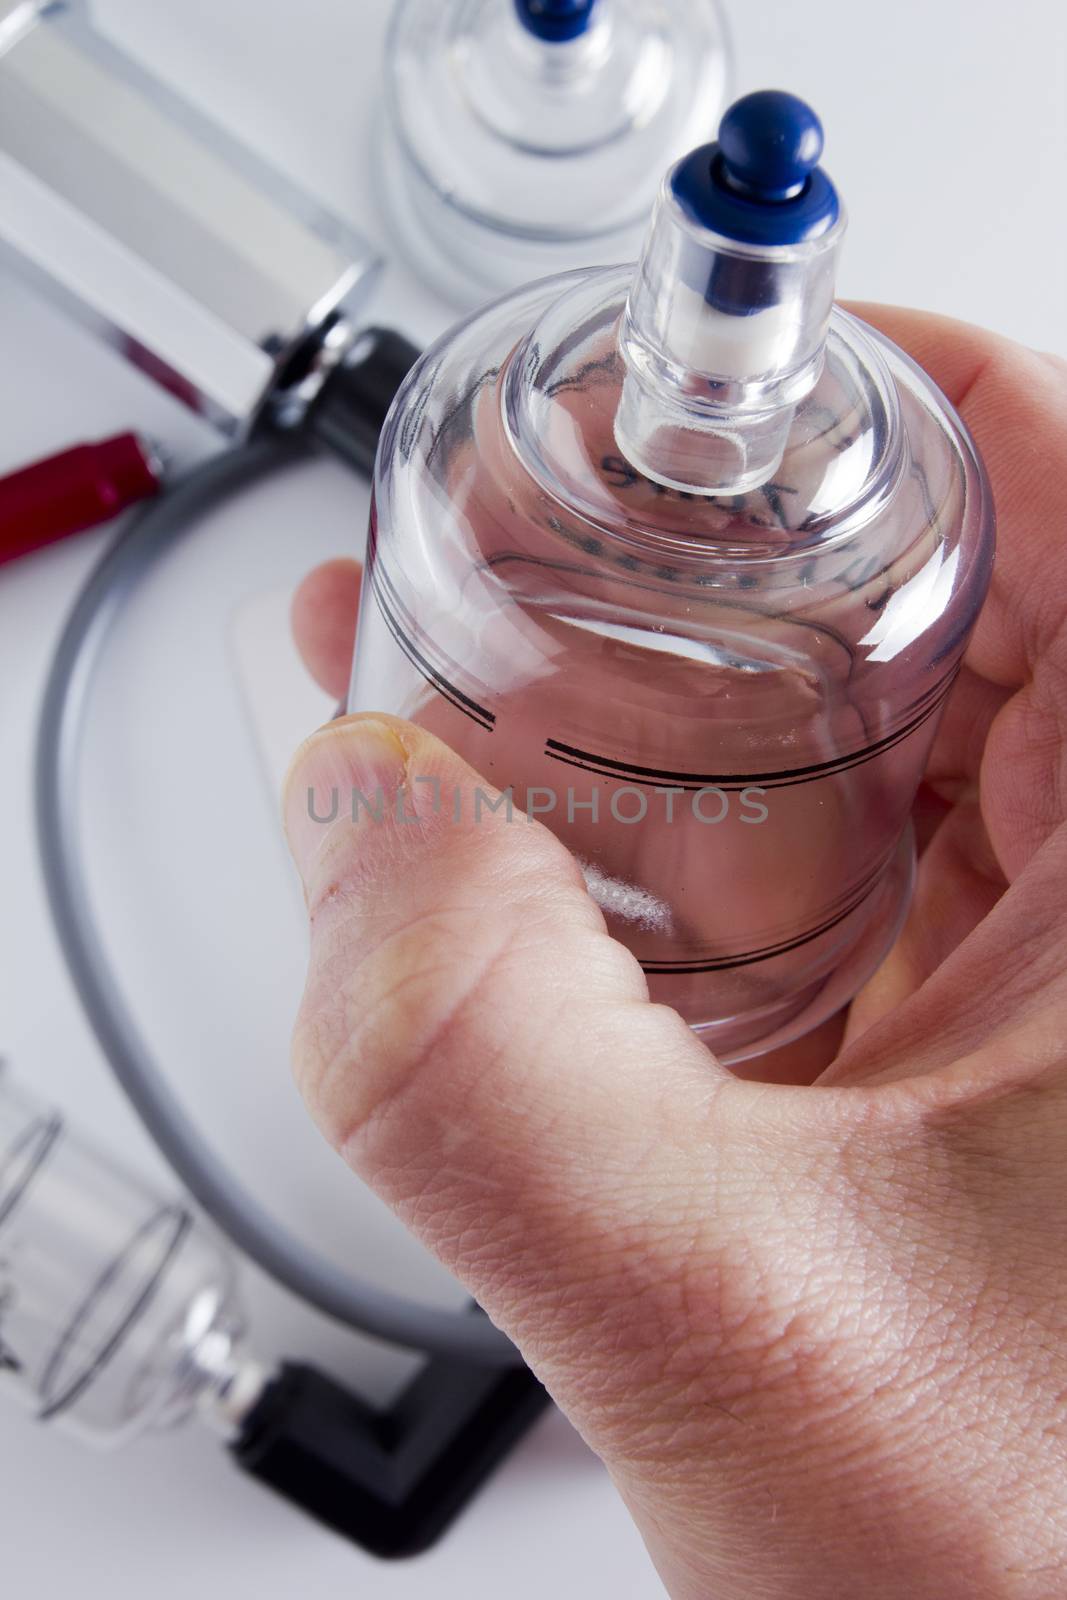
(761, 183)
(556, 21)
(770, 143)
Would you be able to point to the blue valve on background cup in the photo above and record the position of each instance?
(556, 21)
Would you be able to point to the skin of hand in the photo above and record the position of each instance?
(815, 1329)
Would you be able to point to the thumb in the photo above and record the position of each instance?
(480, 1050)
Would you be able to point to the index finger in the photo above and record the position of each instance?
(1014, 401)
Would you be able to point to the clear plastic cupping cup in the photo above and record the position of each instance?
(524, 137)
(118, 1309)
(684, 560)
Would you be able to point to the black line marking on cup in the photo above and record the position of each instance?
(25, 1159)
(786, 777)
(723, 963)
(172, 1217)
(455, 697)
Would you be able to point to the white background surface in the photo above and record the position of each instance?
(946, 134)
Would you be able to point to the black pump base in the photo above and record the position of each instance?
(393, 1480)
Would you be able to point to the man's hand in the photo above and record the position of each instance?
(816, 1333)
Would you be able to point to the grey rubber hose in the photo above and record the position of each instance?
(64, 716)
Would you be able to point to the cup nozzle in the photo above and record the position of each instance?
(726, 320)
